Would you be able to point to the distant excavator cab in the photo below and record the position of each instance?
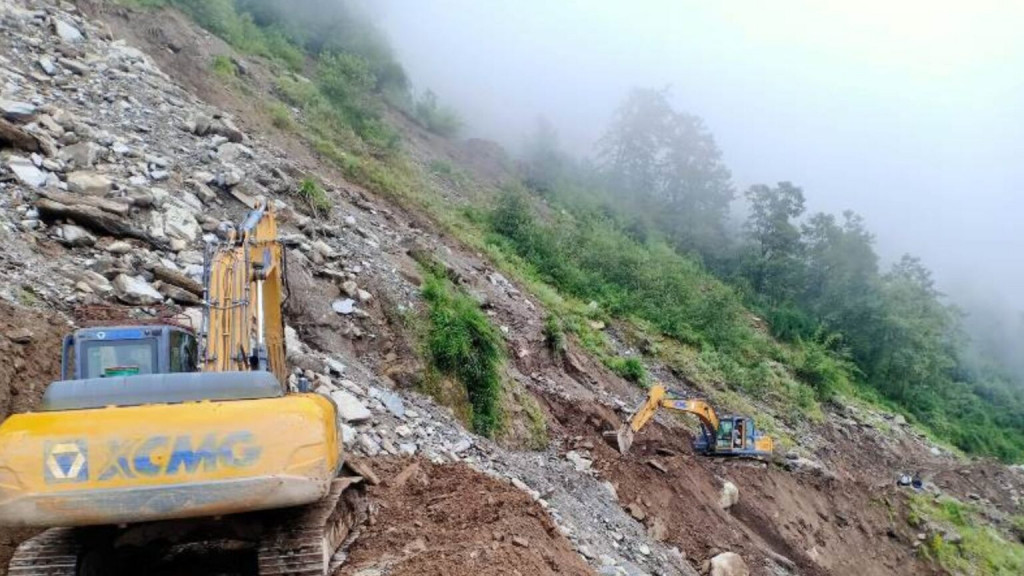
(726, 435)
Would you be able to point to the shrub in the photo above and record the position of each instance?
(280, 116)
(462, 343)
(554, 334)
(441, 120)
(315, 196)
(631, 369)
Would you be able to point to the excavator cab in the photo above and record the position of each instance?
(106, 352)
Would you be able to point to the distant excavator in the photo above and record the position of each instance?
(726, 435)
(159, 436)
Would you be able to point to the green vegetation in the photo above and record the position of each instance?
(440, 120)
(280, 116)
(314, 196)
(223, 66)
(554, 334)
(462, 344)
(631, 369)
(963, 542)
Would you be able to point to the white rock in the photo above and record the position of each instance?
(403, 431)
(89, 183)
(77, 236)
(17, 111)
(231, 151)
(96, 282)
(364, 296)
(136, 291)
(580, 462)
(350, 409)
(729, 496)
(407, 448)
(368, 445)
(462, 445)
(26, 172)
(82, 155)
(729, 564)
(119, 247)
(348, 434)
(67, 31)
(180, 223)
(324, 249)
(345, 307)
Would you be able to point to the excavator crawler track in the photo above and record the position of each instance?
(310, 541)
(53, 553)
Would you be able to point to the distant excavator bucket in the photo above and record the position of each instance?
(624, 438)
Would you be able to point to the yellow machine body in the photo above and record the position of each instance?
(154, 462)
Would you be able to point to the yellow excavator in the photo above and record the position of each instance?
(725, 435)
(160, 436)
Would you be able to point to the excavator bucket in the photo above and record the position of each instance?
(624, 438)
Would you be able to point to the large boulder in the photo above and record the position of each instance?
(136, 291)
(67, 31)
(729, 564)
(729, 496)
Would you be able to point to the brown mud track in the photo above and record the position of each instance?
(818, 525)
(450, 519)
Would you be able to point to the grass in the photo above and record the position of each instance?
(462, 345)
(982, 550)
(554, 335)
(223, 66)
(281, 117)
(314, 196)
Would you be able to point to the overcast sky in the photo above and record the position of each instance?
(908, 112)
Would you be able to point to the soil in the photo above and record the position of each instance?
(450, 519)
(30, 345)
(820, 524)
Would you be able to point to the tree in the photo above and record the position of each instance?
(776, 270)
(668, 164)
(543, 158)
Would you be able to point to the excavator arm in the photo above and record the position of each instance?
(244, 279)
(659, 397)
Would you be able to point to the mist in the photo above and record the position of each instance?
(906, 113)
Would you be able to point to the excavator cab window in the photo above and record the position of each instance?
(741, 432)
(120, 357)
(184, 352)
(725, 430)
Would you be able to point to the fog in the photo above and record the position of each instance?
(906, 112)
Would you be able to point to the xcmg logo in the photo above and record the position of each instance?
(153, 456)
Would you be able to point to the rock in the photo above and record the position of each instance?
(462, 445)
(729, 496)
(407, 448)
(344, 307)
(403, 431)
(179, 295)
(334, 367)
(76, 66)
(369, 446)
(644, 549)
(118, 247)
(226, 128)
(729, 564)
(520, 541)
(391, 401)
(348, 434)
(20, 335)
(96, 282)
(324, 249)
(136, 291)
(350, 409)
(15, 111)
(67, 32)
(46, 64)
(350, 288)
(81, 155)
(364, 296)
(159, 175)
(974, 496)
(578, 461)
(89, 183)
(17, 137)
(180, 223)
(935, 451)
(26, 172)
(175, 278)
(231, 152)
(76, 236)
(658, 530)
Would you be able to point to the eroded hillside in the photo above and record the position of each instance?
(125, 149)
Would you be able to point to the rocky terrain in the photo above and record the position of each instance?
(122, 158)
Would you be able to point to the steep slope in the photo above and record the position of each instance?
(172, 152)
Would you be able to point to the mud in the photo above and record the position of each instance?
(29, 360)
(452, 520)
